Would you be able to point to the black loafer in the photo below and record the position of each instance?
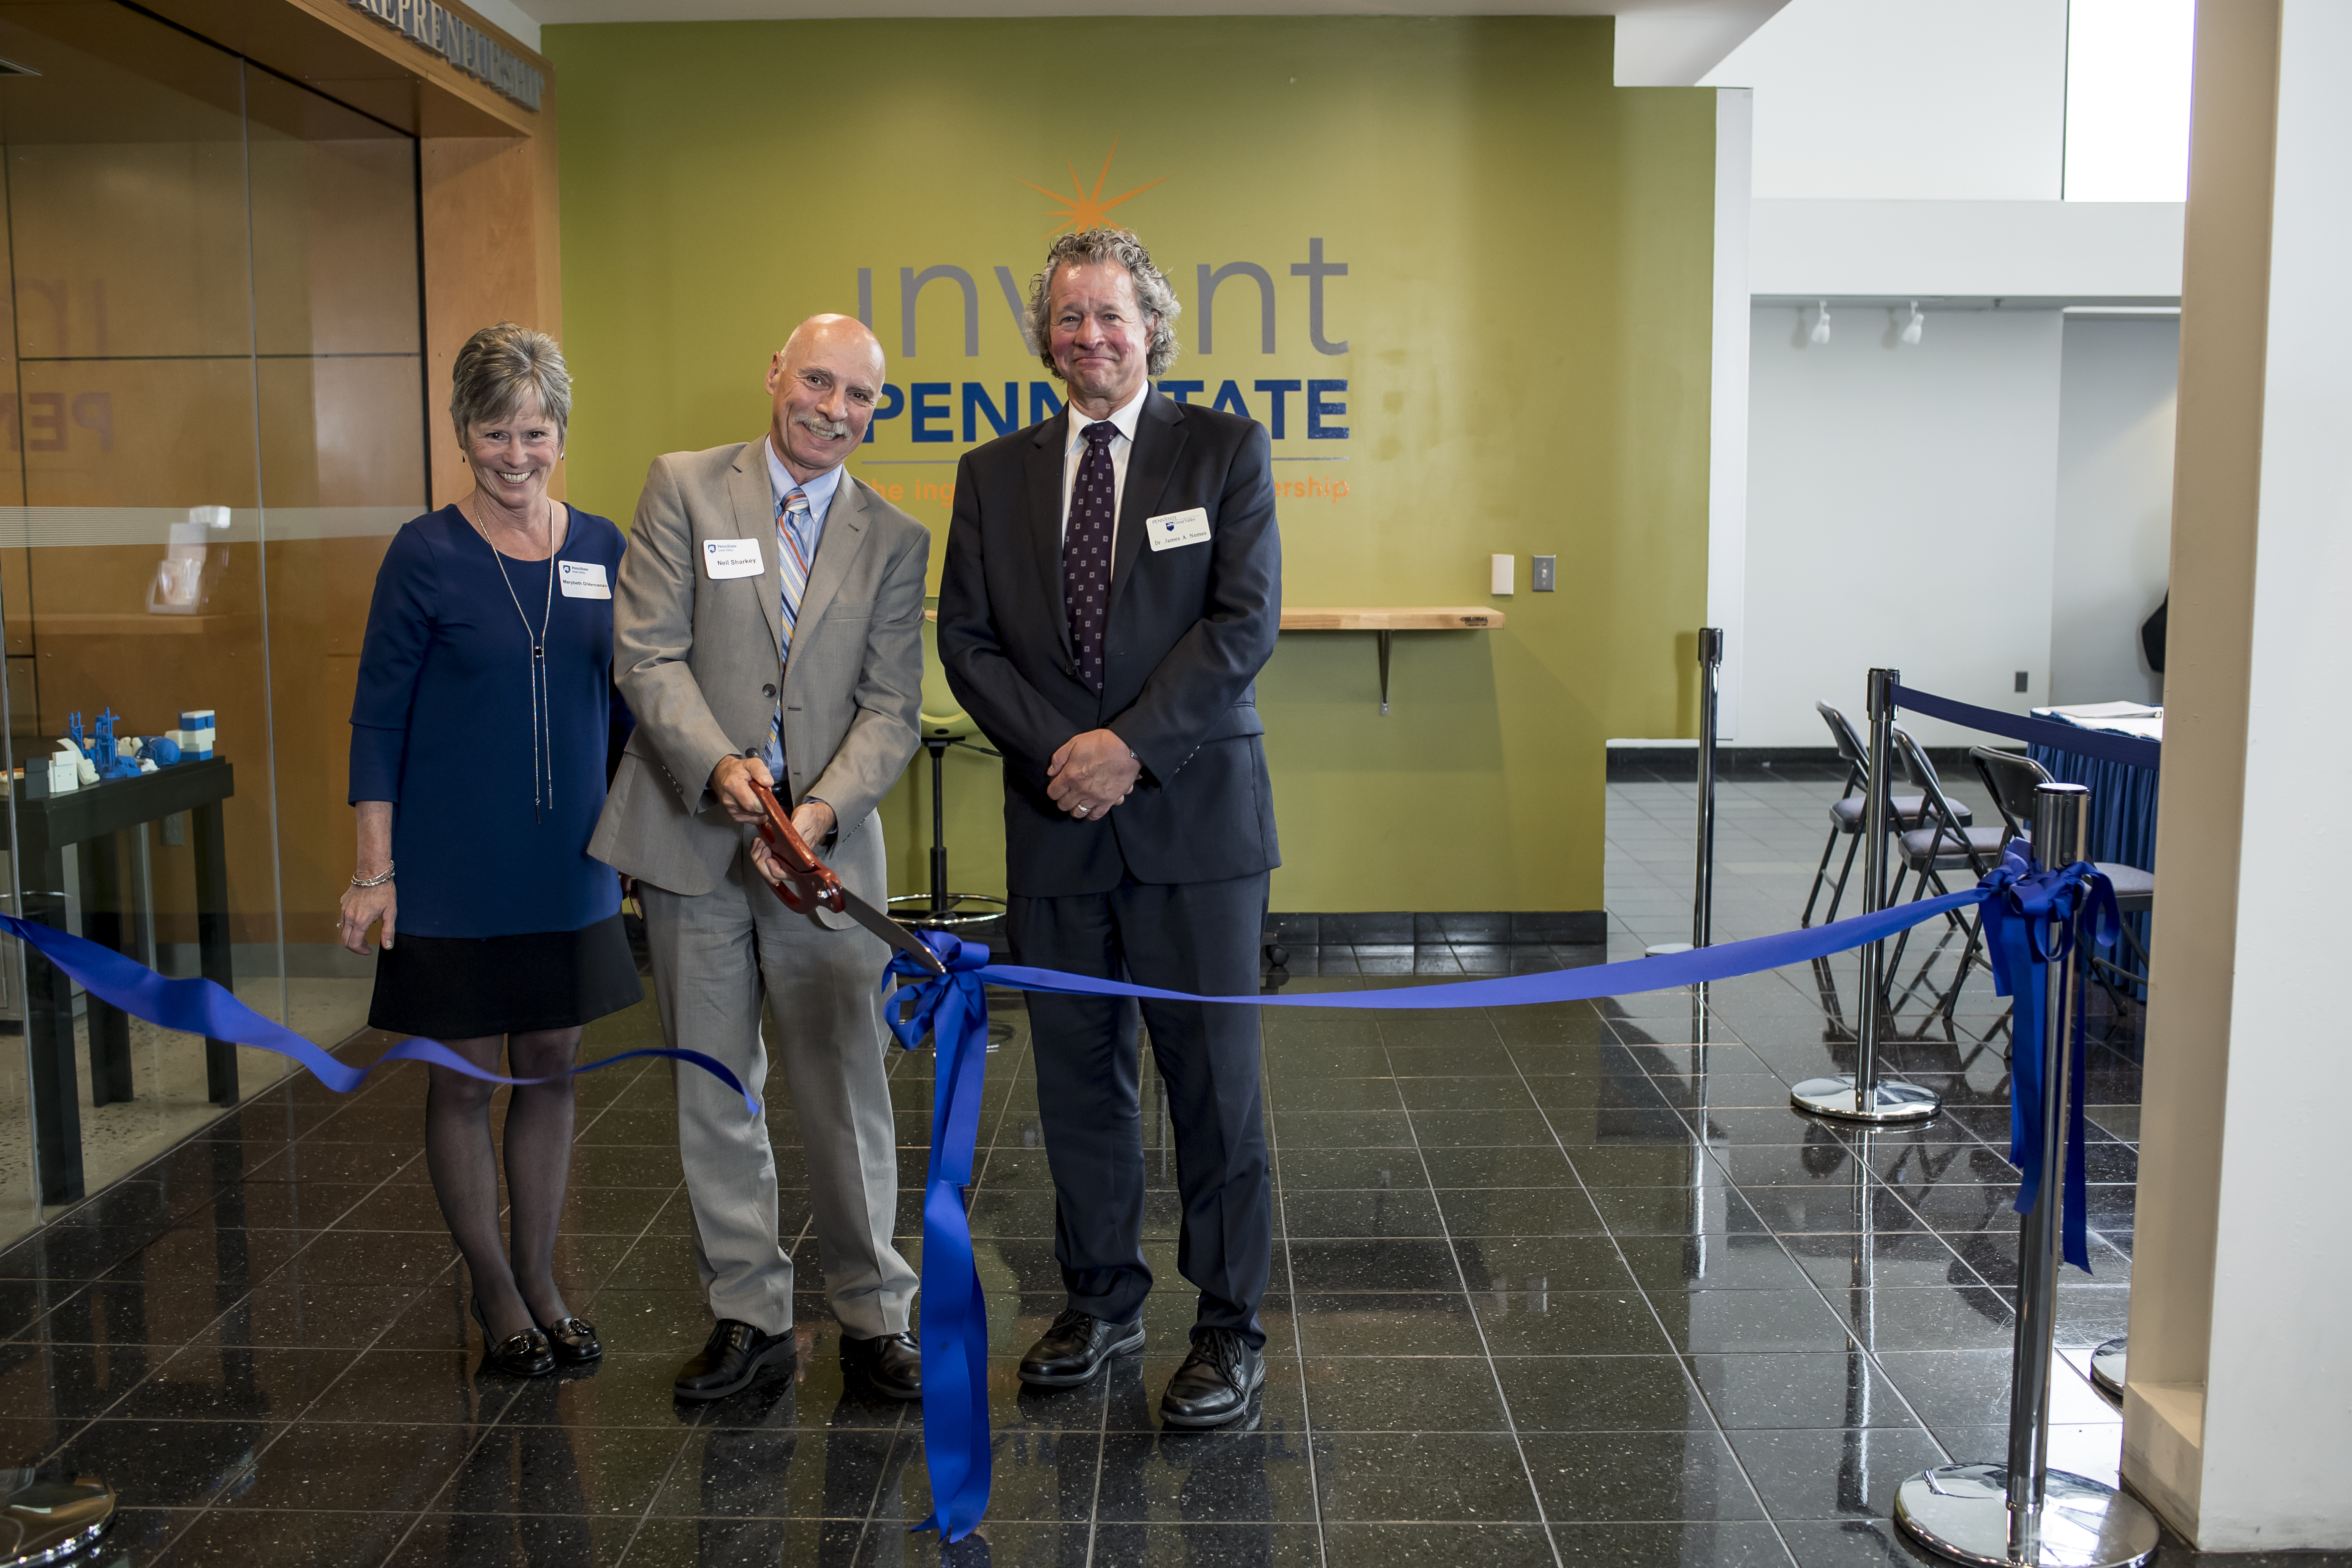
(1212, 1389)
(1075, 1347)
(890, 1363)
(735, 1354)
(525, 1355)
(573, 1340)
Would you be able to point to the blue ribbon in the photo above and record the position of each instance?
(952, 1008)
(197, 1006)
(2032, 920)
(2051, 732)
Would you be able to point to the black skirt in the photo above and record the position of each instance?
(466, 987)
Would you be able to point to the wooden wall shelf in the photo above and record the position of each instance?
(1380, 620)
(1384, 620)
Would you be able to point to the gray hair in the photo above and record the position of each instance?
(1151, 290)
(501, 365)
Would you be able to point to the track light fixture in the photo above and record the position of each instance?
(1912, 325)
(1821, 332)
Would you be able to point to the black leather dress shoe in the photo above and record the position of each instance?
(733, 1355)
(573, 1340)
(1212, 1389)
(889, 1362)
(1075, 1347)
(525, 1355)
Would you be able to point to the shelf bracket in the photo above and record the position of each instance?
(1384, 634)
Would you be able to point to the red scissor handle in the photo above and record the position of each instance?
(807, 880)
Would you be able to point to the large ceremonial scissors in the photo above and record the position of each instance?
(809, 883)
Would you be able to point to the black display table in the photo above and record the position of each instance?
(86, 821)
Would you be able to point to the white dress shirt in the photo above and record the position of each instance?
(1121, 446)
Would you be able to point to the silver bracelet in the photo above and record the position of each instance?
(378, 881)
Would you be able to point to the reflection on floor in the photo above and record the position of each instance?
(169, 1093)
(1551, 1285)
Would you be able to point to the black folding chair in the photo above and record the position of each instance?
(1847, 812)
(1942, 842)
(2010, 778)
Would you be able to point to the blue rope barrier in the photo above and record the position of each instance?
(2127, 749)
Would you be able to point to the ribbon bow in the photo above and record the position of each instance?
(2033, 921)
(952, 1008)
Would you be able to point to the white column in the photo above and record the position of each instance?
(2238, 1417)
(1727, 485)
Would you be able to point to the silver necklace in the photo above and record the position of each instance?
(542, 703)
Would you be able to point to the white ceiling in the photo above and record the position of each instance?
(1660, 43)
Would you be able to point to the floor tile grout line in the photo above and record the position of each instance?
(1297, 1334)
(653, 1499)
(1872, 1181)
(206, 1506)
(1486, 1348)
(1657, 1319)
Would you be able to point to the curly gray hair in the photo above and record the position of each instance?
(497, 368)
(1151, 290)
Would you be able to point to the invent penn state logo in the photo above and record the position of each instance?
(1084, 209)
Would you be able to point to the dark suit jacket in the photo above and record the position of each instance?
(1189, 628)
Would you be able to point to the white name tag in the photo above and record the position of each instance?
(582, 580)
(732, 558)
(1175, 530)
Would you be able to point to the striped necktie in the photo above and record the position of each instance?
(795, 546)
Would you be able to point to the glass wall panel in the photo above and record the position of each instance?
(215, 421)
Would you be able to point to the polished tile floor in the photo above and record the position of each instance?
(1552, 1285)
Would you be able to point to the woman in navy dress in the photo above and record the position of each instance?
(477, 768)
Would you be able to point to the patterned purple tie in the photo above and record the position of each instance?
(1086, 553)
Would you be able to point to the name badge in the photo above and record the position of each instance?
(723, 558)
(1175, 530)
(582, 580)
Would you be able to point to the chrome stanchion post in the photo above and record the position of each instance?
(2023, 1514)
(1862, 1096)
(1710, 665)
(1710, 661)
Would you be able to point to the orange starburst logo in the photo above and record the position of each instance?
(1084, 209)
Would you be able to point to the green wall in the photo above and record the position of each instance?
(1527, 314)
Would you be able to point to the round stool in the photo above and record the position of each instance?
(943, 723)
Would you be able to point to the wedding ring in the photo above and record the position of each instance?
(1081, 811)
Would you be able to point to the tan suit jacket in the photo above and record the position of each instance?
(697, 659)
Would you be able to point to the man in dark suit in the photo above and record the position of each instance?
(1113, 586)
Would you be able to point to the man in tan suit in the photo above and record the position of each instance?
(768, 625)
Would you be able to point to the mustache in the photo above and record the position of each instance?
(825, 429)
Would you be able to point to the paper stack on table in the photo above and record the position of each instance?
(2134, 718)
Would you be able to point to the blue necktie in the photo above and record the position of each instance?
(794, 548)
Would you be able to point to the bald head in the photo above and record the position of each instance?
(824, 383)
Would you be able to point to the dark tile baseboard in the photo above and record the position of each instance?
(1751, 765)
(1487, 928)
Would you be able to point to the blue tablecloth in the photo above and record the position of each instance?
(2123, 817)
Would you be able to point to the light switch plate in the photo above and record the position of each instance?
(1546, 578)
(1506, 569)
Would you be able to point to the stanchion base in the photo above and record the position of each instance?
(1661, 949)
(49, 1514)
(2108, 1368)
(1962, 1512)
(963, 912)
(1893, 1102)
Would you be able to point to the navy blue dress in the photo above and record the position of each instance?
(503, 923)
